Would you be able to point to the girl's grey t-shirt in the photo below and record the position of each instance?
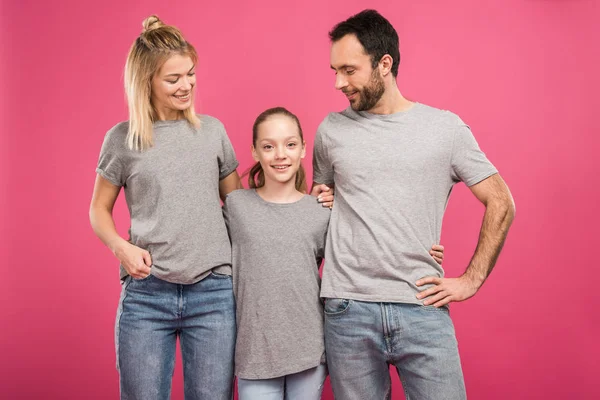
(172, 192)
(277, 250)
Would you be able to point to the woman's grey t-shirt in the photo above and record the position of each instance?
(277, 250)
(172, 192)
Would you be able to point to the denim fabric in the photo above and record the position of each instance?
(362, 339)
(152, 314)
(304, 385)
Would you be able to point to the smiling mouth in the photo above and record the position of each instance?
(281, 167)
(350, 95)
(183, 97)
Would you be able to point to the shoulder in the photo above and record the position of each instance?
(334, 120)
(117, 135)
(316, 209)
(443, 118)
(210, 124)
(239, 197)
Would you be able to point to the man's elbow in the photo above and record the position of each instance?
(505, 206)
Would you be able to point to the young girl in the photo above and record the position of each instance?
(175, 267)
(278, 238)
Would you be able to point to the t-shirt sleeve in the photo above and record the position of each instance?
(227, 161)
(322, 167)
(110, 166)
(469, 163)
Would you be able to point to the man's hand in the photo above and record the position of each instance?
(446, 290)
(324, 195)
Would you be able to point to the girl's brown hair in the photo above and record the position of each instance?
(256, 175)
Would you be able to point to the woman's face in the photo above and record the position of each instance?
(173, 87)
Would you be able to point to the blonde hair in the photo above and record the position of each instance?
(256, 175)
(149, 52)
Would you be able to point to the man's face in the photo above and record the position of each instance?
(354, 75)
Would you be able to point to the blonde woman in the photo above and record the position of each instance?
(176, 266)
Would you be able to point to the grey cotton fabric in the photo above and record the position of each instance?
(277, 250)
(393, 175)
(172, 192)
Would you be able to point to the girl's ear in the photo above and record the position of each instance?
(254, 154)
(303, 149)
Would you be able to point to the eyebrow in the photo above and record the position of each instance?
(286, 139)
(342, 67)
(193, 66)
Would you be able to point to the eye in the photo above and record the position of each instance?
(292, 144)
(350, 71)
(267, 147)
(192, 73)
(173, 82)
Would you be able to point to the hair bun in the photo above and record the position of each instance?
(151, 23)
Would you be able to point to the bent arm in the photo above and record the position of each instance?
(228, 184)
(101, 219)
(499, 214)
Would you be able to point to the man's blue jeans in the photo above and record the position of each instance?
(362, 339)
(152, 314)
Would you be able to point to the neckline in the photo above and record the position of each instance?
(388, 117)
(277, 204)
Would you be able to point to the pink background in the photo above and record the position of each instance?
(522, 73)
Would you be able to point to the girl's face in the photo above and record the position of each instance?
(279, 149)
(173, 86)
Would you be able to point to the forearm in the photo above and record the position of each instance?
(103, 225)
(496, 222)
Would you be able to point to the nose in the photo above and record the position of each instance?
(280, 152)
(186, 84)
(340, 81)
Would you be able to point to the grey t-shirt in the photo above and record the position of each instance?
(277, 250)
(393, 175)
(172, 192)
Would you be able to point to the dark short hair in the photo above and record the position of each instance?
(374, 32)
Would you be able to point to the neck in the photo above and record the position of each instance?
(392, 101)
(279, 192)
(168, 115)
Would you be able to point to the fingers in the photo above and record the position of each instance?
(139, 266)
(147, 258)
(439, 297)
(140, 272)
(437, 256)
(429, 280)
(429, 292)
(443, 302)
(318, 189)
(437, 247)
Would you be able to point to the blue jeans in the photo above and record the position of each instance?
(304, 385)
(363, 339)
(152, 314)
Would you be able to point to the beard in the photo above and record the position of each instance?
(370, 95)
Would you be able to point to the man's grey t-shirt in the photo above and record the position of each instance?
(172, 192)
(277, 250)
(393, 175)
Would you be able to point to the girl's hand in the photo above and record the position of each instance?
(437, 252)
(324, 195)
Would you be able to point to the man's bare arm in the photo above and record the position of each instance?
(499, 214)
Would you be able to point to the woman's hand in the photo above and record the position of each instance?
(136, 261)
